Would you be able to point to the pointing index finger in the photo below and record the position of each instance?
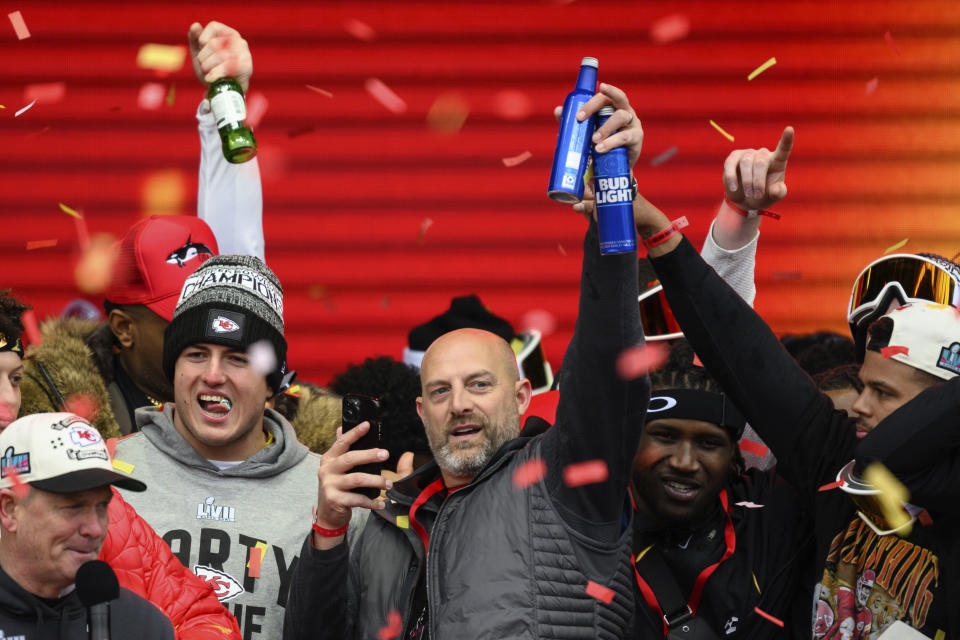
(782, 152)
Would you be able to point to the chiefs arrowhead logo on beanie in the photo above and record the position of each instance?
(233, 301)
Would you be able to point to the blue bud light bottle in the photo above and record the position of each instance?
(573, 141)
(612, 185)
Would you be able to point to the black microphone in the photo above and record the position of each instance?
(96, 586)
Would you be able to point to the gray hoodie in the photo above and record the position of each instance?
(214, 520)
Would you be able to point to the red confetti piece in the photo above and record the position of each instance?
(257, 104)
(385, 96)
(518, 159)
(872, 86)
(886, 352)
(787, 275)
(600, 592)
(539, 320)
(40, 244)
(385, 301)
(925, 518)
(764, 614)
(256, 557)
(757, 449)
(322, 92)
(636, 361)
(889, 39)
(563, 252)
(583, 473)
(20, 487)
(84, 405)
(830, 486)
(45, 93)
(749, 505)
(512, 105)
(30, 328)
(696, 361)
(151, 96)
(670, 28)
(19, 26)
(394, 627)
(528, 473)
(359, 30)
(425, 224)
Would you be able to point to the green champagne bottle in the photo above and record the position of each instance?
(230, 111)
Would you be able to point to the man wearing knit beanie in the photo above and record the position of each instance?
(227, 473)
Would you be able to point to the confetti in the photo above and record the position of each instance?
(19, 26)
(889, 38)
(122, 467)
(894, 247)
(670, 28)
(394, 626)
(30, 328)
(831, 485)
(764, 614)
(448, 113)
(749, 505)
(518, 159)
(163, 192)
(317, 292)
(20, 487)
(528, 473)
(257, 104)
(84, 405)
(757, 449)
(886, 352)
(359, 30)
(256, 558)
(403, 522)
(385, 96)
(722, 132)
(583, 473)
(70, 212)
(696, 361)
(93, 272)
(637, 361)
(539, 320)
(925, 518)
(562, 251)
(510, 104)
(24, 109)
(300, 131)
(872, 86)
(161, 57)
(893, 495)
(151, 96)
(171, 95)
(293, 390)
(766, 65)
(322, 92)
(385, 302)
(45, 93)
(600, 592)
(262, 357)
(425, 224)
(40, 244)
(787, 275)
(663, 157)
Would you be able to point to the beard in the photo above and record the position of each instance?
(468, 458)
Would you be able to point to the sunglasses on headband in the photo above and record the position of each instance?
(656, 316)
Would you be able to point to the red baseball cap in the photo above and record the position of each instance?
(154, 259)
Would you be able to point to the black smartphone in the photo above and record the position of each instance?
(356, 409)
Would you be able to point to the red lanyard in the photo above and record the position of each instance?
(432, 489)
(729, 536)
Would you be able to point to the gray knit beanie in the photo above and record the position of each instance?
(233, 301)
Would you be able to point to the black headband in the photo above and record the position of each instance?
(693, 404)
(16, 346)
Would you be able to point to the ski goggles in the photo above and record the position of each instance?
(869, 505)
(531, 360)
(656, 316)
(908, 277)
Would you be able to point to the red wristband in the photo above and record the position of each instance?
(663, 236)
(746, 213)
(330, 533)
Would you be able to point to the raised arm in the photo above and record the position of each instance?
(600, 415)
(229, 196)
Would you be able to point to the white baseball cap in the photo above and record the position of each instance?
(928, 337)
(59, 453)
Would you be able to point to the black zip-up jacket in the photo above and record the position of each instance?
(505, 562)
(28, 617)
(900, 578)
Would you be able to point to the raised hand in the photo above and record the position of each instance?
(755, 178)
(218, 51)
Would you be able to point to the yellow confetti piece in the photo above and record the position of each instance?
(162, 57)
(122, 467)
(940, 635)
(892, 496)
(403, 522)
(643, 553)
(766, 65)
(894, 247)
(588, 176)
(262, 548)
(722, 132)
(70, 212)
(755, 583)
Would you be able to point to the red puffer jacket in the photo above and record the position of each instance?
(145, 565)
